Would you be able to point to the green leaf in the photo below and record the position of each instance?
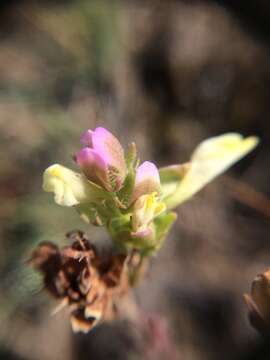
(131, 156)
(119, 225)
(125, 193)
(163, 224)
(90, 214)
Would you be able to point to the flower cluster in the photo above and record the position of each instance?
(133, 201)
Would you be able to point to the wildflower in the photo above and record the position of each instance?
(102, 160)
(211, 158)
(146, 208)
(147, 180)
(134, 203)
(130, 199)
(70, 188)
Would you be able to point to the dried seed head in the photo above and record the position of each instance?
(89, 285)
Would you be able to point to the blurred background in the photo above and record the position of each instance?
(165, 74)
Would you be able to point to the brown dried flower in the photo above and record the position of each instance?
(258, 303)
(88, 284)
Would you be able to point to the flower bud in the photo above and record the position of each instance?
(102, 160)
(93, 166)
(147, 180)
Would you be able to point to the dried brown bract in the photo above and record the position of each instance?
(258, 303)
(88, 284)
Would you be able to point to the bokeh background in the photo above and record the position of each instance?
(165, 74)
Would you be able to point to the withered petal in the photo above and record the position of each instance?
(46, 256)
(95, 310)
(80, 324)
(261, 296)
(88, 283)
(255, 317)
(63, 303)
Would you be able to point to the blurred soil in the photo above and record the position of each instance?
(165, 75)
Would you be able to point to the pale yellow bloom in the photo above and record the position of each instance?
(69, 188)
(146, 208)
(211, 158)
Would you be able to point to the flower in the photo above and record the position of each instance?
(69, 188)
(145, 197)
(134, 203)
(211, 158)
(102, 160)
(129, 199)
(146, 208)
(147, 180)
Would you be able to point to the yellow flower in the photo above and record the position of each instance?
(211, 158)
(146, 208)
(69, 187)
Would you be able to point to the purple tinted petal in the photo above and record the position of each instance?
(143, 234)
(147, 170)
(87, 156)
(93, 166)
(110, 149)
(147, 180)
(86, 138)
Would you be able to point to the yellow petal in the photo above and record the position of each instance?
(146, 208)
(160, 208)
(69, 187)
(211, 158)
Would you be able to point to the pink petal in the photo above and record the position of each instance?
(147, 180)
(147, 170)
(86, 138)
(143, 234)
(93, 166)
(110, 149)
